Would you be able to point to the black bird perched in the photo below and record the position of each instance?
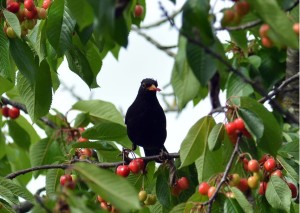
(146, 120)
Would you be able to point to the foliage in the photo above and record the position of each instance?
(83, 33)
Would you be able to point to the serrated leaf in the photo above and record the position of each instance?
(60, 26)
(216, 137)
(291, 148)
(52, 180)
(5, 85)
(240, 38)
(108, 131)
(289, 170)
(37, 95)
(7, 194)
(272, 14)
(192, 146)
(242, 200)
(6, 208)
(271, 140)
(82, 12)
(111, 187)
(236, 87)
(100, 110)
(24, 59)
(278, 194)
(19, 135)
(16, 189)
(252, 122)
(231, 205)
(82, 120)
(23, 122)
(162, 187)
(13, 21)
(5, 66)
(178, 208)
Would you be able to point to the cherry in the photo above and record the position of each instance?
(211, 191)
(138, 10)
(243, 185)
(242, 8)
(13, 7)
(29, 5)
(183, 183)
(277, 173)
(100, 199)
(46, 4)
(269, 165)
(245, 164)
(21, 14)
(5, 111)
(234, 179)
(135, 166)
(143, 195)
(104, 206)
(253, 182)
(141, 161)
(70, 185)
(81, 129)
(262, 188)
(228, 17)
(266, 42)
(30, 14)
(230, 128)
(253, 166)
(264, 158)
(176, 190)
(203, 188)
(81, 139)
(123, 170)
(64, 179)
(14, 112)
(296, 28)
(86, 152)
(42, 13)
(263, 30)
(293, 189)
(10, 32)
(239, 124)
(151, 200)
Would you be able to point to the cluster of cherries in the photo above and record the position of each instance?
(106, 205)
(68, 181)
(83, 153)
(233, 16)
(265, 39)
(27, 13)
(261, 172)
(236, 127)
(135, 166)
(147, 199)
(12, 112)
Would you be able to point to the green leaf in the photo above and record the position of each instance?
(162, 187)
(2, 146)
(100, 110)
(82, 12)
(24, 59)
(179, 208)
(252, 122)
(5, 85)
(13, 21)
(231, 205)
(19, 135)
(108, 131)
(236, 87)
(242, 200)
(6, 208)
(202, 64)
(37, 96)
(272, 14)
(16, 189)
(52, 180)
(255, 61)
(289, 170)
(216, 136)
(23, 122)
(5, 66)
(112, 188)
(240, 38)
(184, 82)
(191, 147)
(271, 140)
(82, 120)
(7, 194)
(278, 194)
(291, 148)
(60, 26)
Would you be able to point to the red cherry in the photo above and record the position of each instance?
(262, 188)
(13, 7)
(70, 185)
(64, 179)
(81, 139)
(30, 14)
(239, 124)
(269, 165)
(264, 158)
(203, 188)
(266, 42)
(242, 8)
(42, 13)
(81, 129)
(228, 17)
(211, 191)
(141, 161)
(135, 166)
(100, 199)
(138, 10)
(243, 185)
(253, 166)
(245, 164)
(183, 183)
(293, 189)
(86, 152)
(14, 112)
(230, 128)
(123, 170)
(296, 28)
(104, 206)
(263, 30)
(176, 190)
(29, 5)
(5, 111)
(46, 4)
(277, 173)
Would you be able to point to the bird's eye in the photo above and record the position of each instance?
(144, 85)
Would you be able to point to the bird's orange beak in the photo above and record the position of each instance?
(153, 88)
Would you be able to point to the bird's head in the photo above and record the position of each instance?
(148, 84)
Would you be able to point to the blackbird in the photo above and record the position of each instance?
(146, 120)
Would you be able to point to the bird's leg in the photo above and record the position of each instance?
(126, 151)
